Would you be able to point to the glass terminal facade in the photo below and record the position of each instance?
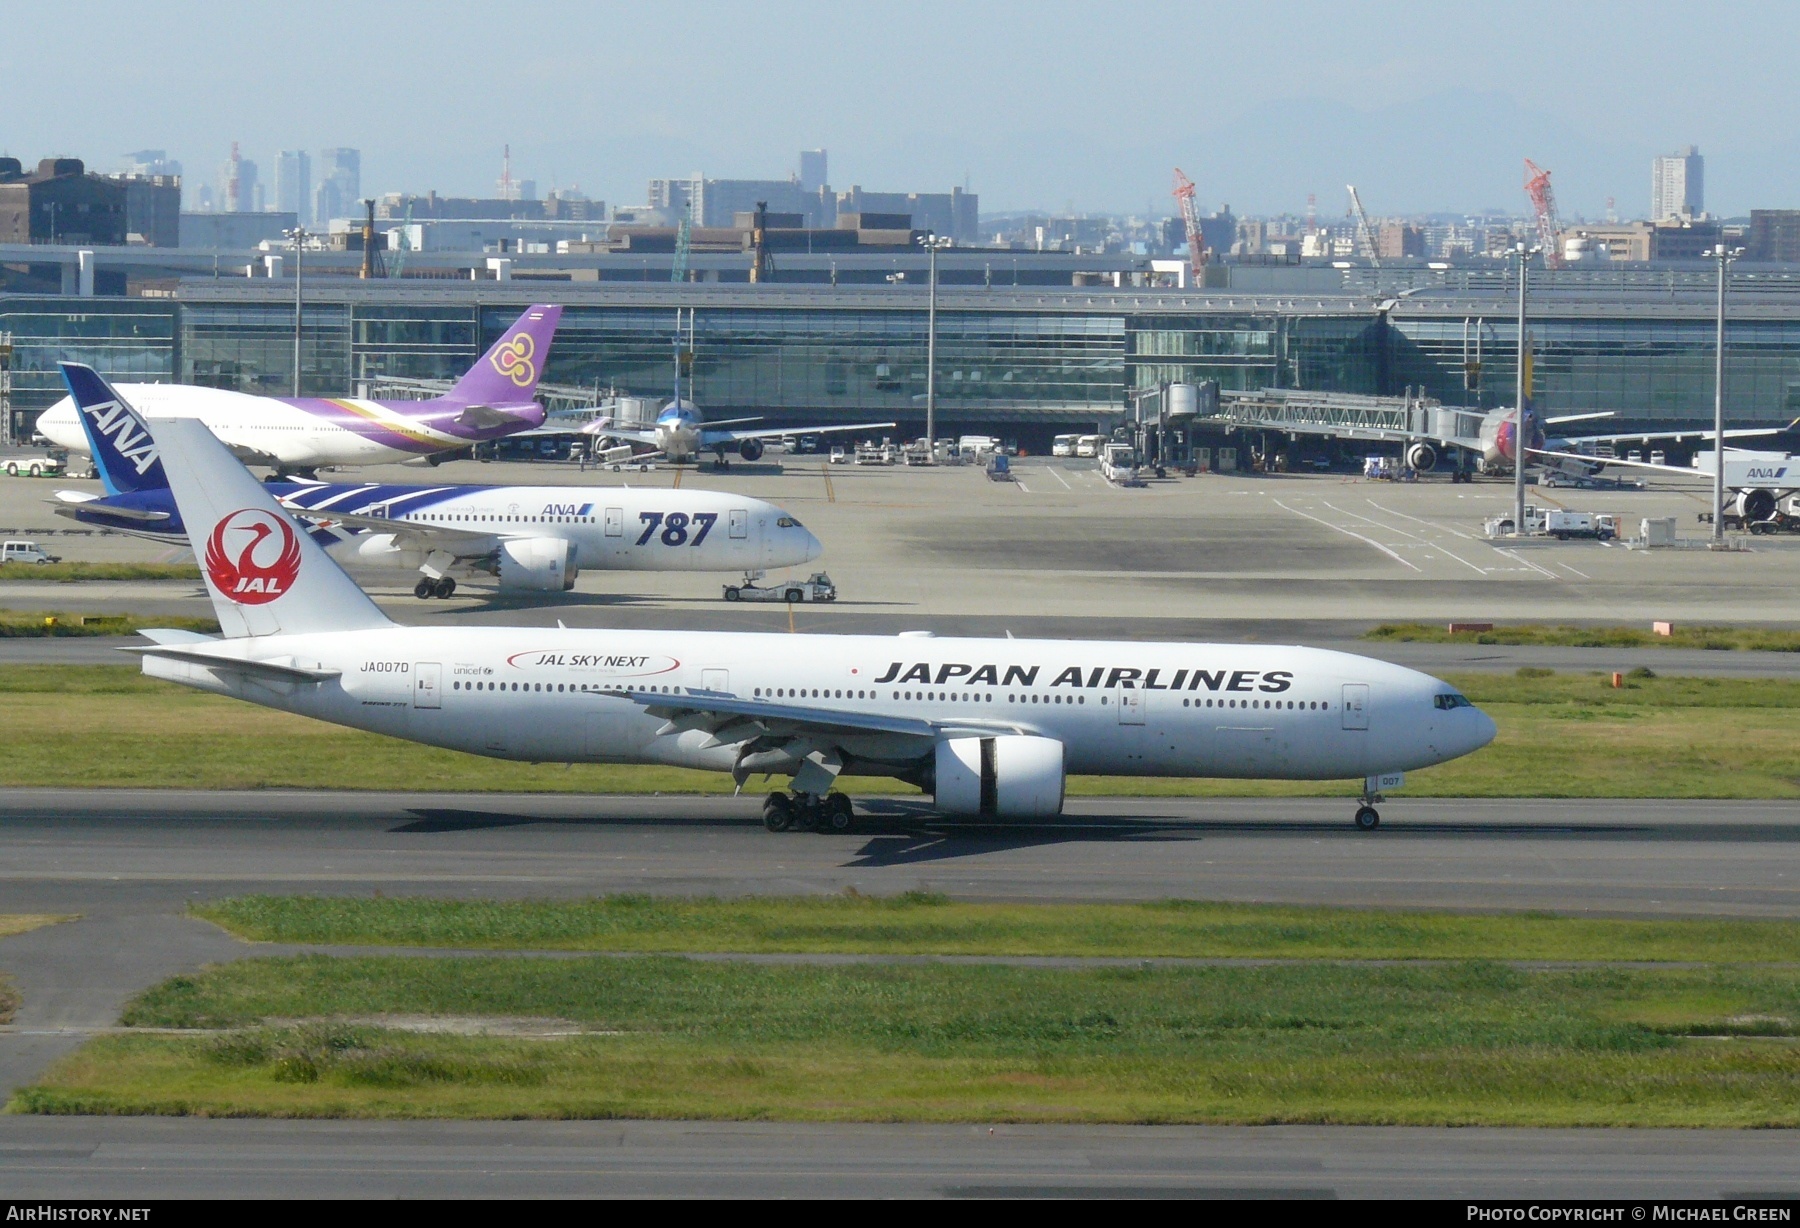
(1053, 359)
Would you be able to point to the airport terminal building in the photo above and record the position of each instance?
(1024, 359)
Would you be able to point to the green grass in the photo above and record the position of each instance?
(1565, 635)
(928, 924)
(71, 572)
(36, 624)
(1561, 735)
(9, 999)
(1457, 1043)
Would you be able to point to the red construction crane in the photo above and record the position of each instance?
(1543, 201)
(1190, 214)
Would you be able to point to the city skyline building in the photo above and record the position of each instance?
(1677, 185)
(293, 184)
(340, 184)
(813, 172)
(237, 184)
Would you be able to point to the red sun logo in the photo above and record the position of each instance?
(253, 556)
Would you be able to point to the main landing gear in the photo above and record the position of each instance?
(833, 812)
(427, 588)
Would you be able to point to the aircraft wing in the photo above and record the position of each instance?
(628, 434)
(1647, 436)
(712, 437)
(463, 543)
(1588, 458)
(803, 731)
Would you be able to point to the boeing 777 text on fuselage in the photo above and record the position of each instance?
(990, 728)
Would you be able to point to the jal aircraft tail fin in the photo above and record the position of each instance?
(509, 372)
(124, 452)
(264, 572)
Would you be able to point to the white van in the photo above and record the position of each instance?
(1089, 445)
(25, 552)
(1063, 445)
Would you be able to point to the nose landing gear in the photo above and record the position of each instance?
(834, 812)
(1367, 818)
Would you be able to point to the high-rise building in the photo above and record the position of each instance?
(151, 162)
(293, 184)
(340, 185)
(237, 183)
(1677, 185)
(812, 170)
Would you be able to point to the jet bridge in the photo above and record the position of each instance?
(1345, 415)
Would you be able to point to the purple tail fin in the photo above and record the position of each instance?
(508, 373)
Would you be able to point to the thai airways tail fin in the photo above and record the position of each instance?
(508, 373)
(264, 572)
(123, 450)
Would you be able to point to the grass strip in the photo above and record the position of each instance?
(40, 624)
(19, 923)
(1561, 735)
(1749, 639)
(1441, 1044)
(9, 999)
(923, 924)
(74, 572)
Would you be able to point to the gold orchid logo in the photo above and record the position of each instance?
(512, 358)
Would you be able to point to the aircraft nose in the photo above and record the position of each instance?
(1481, 728)
(814, 547)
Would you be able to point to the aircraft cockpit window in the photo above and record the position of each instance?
(787, 522)
(1452, 700)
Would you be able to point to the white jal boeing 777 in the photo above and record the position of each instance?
(989, 727)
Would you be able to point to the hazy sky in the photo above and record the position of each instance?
(1044, 104)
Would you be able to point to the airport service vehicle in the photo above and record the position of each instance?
(681, 432)
(977, 445)
(1119, 464)
(817, 587)
(1063, 445)
(1562, 525)
(26, 552)
(839, 456)
(301, 434)
(528, 538)
(32, 465)
(999, 469)
(1089, 445)
(872, 454)
(990, 727)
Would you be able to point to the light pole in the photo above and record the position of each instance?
(933, 244)
(1521, 428)
(1724, 255)
(298, 235)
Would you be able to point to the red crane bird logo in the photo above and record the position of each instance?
(236, 571)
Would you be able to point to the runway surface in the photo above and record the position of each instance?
(149, 1158)
(129, 862)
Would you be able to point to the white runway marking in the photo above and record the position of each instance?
(1515, 557)
(1349, 533)
(1428, 524)
(1584, 575)
(1059, 477)
(1480, 571)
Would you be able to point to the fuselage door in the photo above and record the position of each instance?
(1356, 705)
(1131, 707)
(615, 522)
(716, 680)
(427, 684)
(740, 522)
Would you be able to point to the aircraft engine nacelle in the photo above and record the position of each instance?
(537, 565)
(751, 449)
(1012, 776)
(1754, 505)
(1422, 456)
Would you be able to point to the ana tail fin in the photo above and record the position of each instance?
(123, 450)
(264, 572)
(509, 372)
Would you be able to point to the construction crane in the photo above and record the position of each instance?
(1543, 202)
(1365, 233)
(684, 238)
(1190, 215)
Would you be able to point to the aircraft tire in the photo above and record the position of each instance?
(444, 588)
(778, 812)
(840, 812)
(1367, 818)
(424, 588)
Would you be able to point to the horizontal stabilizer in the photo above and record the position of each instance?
(276, 670)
